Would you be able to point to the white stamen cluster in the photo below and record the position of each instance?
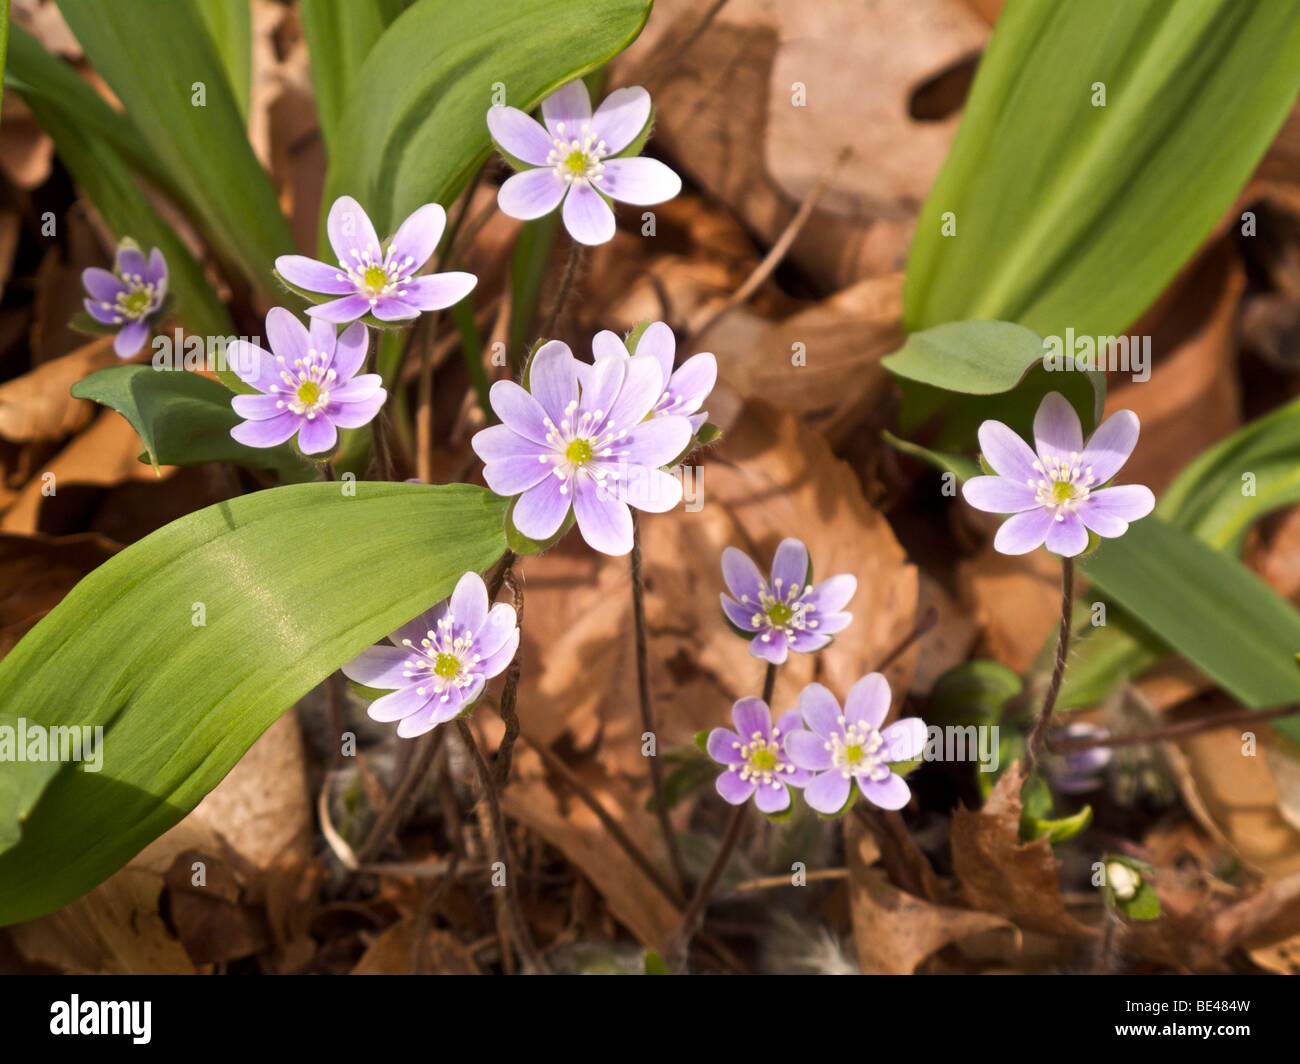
(126, 308)
(791, 612)
(580, 434)
(1063, 483)
(858, 751)
(307, 375)
(586, 150)
(440, 649)
(374, 279)
(763, 775)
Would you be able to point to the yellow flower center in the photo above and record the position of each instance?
(577, 162)
(135, 302)
(1063, 491)
(375, 277)
(578, 452)
(779, 613)
(308, 393)
(763, 760)
(446, 665)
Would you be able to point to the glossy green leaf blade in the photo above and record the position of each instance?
(293, 582)
(157, 56)
(1074, 215)
(415, 129)
(230, 25)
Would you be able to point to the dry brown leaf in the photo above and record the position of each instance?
(38, 406)
(403, 950)
(1016, 600)
(37, 571)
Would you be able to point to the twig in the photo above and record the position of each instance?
(408, 790)
(919, 629)
(570, 268)
(675, 952)
(510, 692)
(774, 882)
(1173, 731)
(769, 683)
(1058, 671)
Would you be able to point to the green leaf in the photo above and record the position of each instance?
(4, 42)
(974, 692)
(184, 419)
(230, 24)
(960, 467)
(294, 582)
(415, 125)
(527, 273)
(155, 54)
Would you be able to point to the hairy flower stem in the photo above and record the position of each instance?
(1039, 733)
(675, 954)
(769, 683)
(647, 717)
(522, 934)
(510, 692)
(566, 282)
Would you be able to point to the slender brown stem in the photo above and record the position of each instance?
(694, 915)
(919, 629)
(769, 683)
(1037, 736)
(334, 706)
(403, 799)
(523, 934)
(424, 404)
(647, 716)
(498, 577)
(510, 692)
(566, 282)
(1173, 731)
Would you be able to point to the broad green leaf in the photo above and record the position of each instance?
(974, 692)
(293, 582)
(527, 274)
(416, 123)
(339, 37)
(230, 24)
(4, 42)
(184, 419)
(159, 59)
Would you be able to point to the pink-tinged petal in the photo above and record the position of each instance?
(401, 703)
(390, 308)
(601, 389)
(828, 792)
(1023, 532)
(806, 642)
(350, 350)
(691, 384)
(742, 577)
(1110, 446)
(868, 701)
(659, 343)
(131, 264)
(131, 339)
(772, 797)
(587, 216)
(269, 433)
(1007, 454)
(733, 789)
(469, 602)
(832, 594)
(808, 750)
(642, 383)
(1068, 536)
(998, 495)
(496, 629)
(649, 489)
(257, 407)
(313, 276)
(354, 415)
(722, 745)
(566, 109)
(820, 710)
(741, 616)
(380, 666)
(772, 647)
(552, 379)
(157, 272)
(349, 308)
(751, 716)
(1057, 432)
(519, 411)
(890, 793)
(102, 285)
(530, 194)
(620, 117)
(657, 442)
(789, 567)
(497, 661)
(1109, 511)
(287, 336)
(317, 435)
(103, 315)
(904, 739)
(519, 135)
(417, 238)
(605, 523)
(351, 234)
(542, 509)
(605, 344)
(638, 181)
(435, 291)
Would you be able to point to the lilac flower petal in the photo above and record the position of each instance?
(620, 117)
(270, 433)
(531, 194)
(868, 700)
(750, 716)
(657, 442)
(419, 722)
(659, 343)
(605, 523)
(741, 616)
(542, 509)
(317, 435)
(890, 793)
(287, 336)
(828, 792)
(651, 490)
(833, 623)
(1110, 446)
(499, 443)
(257, 407)
(742, 577)
(604, 381)
(350, 350)
(904, 739)
(639, 181)
(435, 291)
(380, 666)
(1057, 432)
(354, 415)
(806, 642)
(832, 594)
(808, 750)
(131, 338)
(1023, 532)
(519, 135)
(733, 789)
(692, 383)
(313, 276)
(399, 704)
(390, 308)
(770, 646)
(772, 798)
(495, 663)
(552, 380)
(1068, 536)
(455, 701)
(131, 263)
(790, 721)
(157, 272)
(253, 366)
(519, 411)
(349, 308)
(642, 384)
(417, 237)
(820, 710)
(721, 746)
(587, 216)
(351, 234)
(1109, 511)
(1007, 453)
(469, 602)
(566, 109)
(102, 315)
(102, 285)
(495, 630)
(999, 495)
(789, 567)
(607, 344)
(513, 476)
(419, 627)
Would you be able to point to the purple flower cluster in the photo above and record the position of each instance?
(129, 296)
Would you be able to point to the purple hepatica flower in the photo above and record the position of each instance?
(684, 390)
(591, 449)
(572, 160)
(1079, 771)
(128, 297)
(440, 662)
(850, 747)
(786, 612)
(309, 384)
(754, 757)
(372, 280)
(1057, 495)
